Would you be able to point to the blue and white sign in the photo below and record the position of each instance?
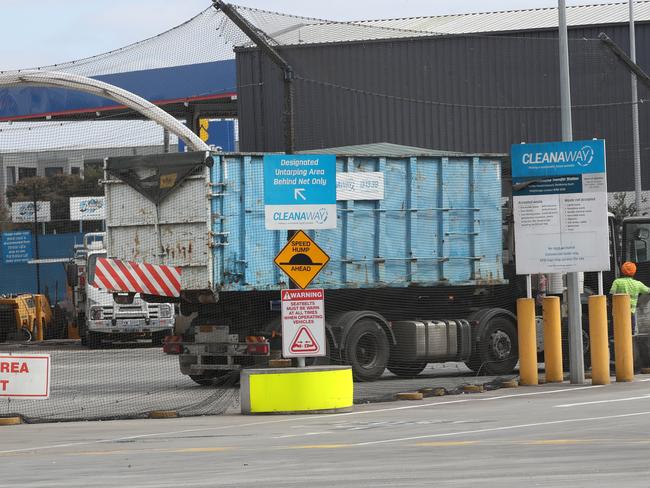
(299, 191)
(87, 208)
(560, 207)
(16, 246)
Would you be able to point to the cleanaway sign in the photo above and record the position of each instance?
(560, 207)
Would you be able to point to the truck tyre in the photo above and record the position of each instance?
(210, 378)
(407, 370)
(93, 340)
(496, 351)
(367, 350)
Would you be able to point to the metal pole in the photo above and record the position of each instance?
(577, 373)
(38, 254)
(635, 117)
(529, 287)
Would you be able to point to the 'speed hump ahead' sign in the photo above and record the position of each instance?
(299, 191)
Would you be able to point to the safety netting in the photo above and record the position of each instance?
(415, 259)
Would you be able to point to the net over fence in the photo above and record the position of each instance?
(407, 128)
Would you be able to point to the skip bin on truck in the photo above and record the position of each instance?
(415, 277)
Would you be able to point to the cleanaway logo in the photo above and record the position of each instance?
(318, 216)
(582, 157)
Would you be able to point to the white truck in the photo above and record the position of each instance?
(103, 318)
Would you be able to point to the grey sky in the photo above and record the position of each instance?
(38, 33)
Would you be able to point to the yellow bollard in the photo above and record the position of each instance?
(623, 337)
(38, 313)
(527, 341)
(598, 340)
(552, 340)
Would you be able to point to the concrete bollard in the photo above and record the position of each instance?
(527, 337)
(598, 340)
(623, 337)
(38, 318)
(552, 340)
(324, 389)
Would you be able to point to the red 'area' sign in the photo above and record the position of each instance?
(303, 323)
(25, 376)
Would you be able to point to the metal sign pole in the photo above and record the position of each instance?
(635, 117)
(577, 371)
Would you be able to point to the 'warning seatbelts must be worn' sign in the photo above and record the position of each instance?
(303, 323)
(25, 376)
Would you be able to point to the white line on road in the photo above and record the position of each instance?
(291, 419)
(496, 429)
(627, 399)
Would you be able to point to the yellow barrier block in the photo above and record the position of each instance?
(527, 341)
(623, 351)
(598, 340)
(10, 420)
(296, 390)
(163, 414)
(552, 340)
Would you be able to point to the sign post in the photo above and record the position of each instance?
(560, 212)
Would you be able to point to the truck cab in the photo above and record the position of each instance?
(105, 318)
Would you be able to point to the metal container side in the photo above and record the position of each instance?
(438, 224)
(184, 220)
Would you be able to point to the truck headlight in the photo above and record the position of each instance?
(166, 311)
(96, 313)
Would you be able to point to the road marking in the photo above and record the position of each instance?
(290, 419)
(287, 436)
(446, 443)
(556, 442)
(320, 446)
(627, 399)
(497, 429)
(202, 449)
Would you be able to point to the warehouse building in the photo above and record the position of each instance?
(469, 83)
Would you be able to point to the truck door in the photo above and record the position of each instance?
(636, 245)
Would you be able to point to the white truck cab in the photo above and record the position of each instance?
(102, 318)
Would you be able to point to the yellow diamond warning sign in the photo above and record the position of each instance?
(301, 259)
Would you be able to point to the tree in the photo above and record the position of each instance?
(5, 217)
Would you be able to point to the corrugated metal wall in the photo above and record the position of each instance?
(448, 93)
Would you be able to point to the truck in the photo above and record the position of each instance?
(423, 275)
(99, 317)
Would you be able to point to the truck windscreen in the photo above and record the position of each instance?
(92, 262)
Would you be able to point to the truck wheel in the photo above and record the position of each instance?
(497, 350)
(407, 370)
(367, 350)
(93, 340)
(210, 378)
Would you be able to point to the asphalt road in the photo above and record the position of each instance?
(551, 435)
(130, 382)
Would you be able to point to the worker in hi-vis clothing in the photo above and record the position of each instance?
(628, 285)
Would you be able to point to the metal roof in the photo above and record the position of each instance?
(315, 31)
(385, 149)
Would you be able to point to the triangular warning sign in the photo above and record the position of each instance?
(303, 342)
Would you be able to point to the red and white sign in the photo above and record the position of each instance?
(25, 376)
(303, 323)
(127, 276)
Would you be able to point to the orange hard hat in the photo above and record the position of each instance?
(628, 268)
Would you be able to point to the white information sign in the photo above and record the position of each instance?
(360, 186)
(25, 376)
(22, 212)
(87, 208)
(303, 323)
(560, 207)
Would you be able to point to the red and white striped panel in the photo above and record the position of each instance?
(128, 276)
